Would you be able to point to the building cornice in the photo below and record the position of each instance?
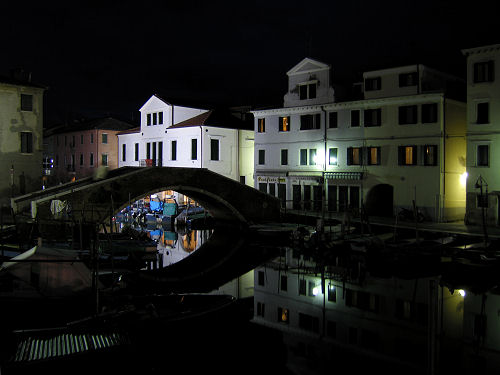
(479, 50)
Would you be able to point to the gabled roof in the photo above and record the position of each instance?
(220, 118)
(19, 82)
(308, 65)
(106, 123)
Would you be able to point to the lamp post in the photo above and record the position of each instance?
(479, 185)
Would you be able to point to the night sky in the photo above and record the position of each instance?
(107, 58)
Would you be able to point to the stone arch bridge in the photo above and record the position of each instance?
(94, 200)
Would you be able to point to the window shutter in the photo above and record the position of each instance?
(400, 155)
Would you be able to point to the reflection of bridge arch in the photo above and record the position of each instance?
(224, 198)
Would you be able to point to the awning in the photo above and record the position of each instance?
(344, 175)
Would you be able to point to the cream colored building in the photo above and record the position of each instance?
(21, 137)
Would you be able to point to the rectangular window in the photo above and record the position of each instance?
(155, 118)
(261, 278)
(104, 159)
(408, 114)
(307, 91)
(430, 154)
(355, 118)
(148, 119)
(160, 154)
(302, 287)
(332, 293)
(81, 159)
(91, 159)
(261, 309)
(373, 84)
(284, 124)
(91, 137)
(26, 102)
(484, 71)
(284, 157)
(136, 156)
(303, 156)
(333, 119)
(124, 152)
(272, 189)
(283, 315)
(372, 117)
(312, 157)
(73, 141)
(81, 139)
(148, 150)
(373, 154)
(214, 149)
(26, 142)
(482, 113)
(262, 157)
(160, 118)
(173, 150)
(483, 156)
(354, 156)
(332, 156)
(308, 122)
(194, 149)
(407, 155)
(408, 79)
(104, 138)
(261, 125)
(284, 283)
(429, 113)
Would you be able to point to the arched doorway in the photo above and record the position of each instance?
(379, 200)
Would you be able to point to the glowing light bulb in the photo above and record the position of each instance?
(462, 292)
(463, 178)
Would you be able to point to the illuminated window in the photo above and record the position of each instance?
(26, 102)
(483, 152)
(283, 315)
(332, 156)
(261, 125)
(307, 91)
(309, 122)
(312, 157)
(284, 124)
(372, 117)
(430, 155)
(407, 155)
(484, 71)
(355, 118)
(408, 114)
(429, 113)
(408, 79)
(333, 120)
(482, 113)
(354, 156)
(373, 155)
(373, 84)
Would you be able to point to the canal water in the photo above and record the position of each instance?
(314, 309)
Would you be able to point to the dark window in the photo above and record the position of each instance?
(214, 149)
(26, 102)
(333, 120)
(272, 189)
(148, 119)
(81, 159)
(242, 180)
(482, 113)
(81, 139)
(373, 155)
(303, 156)
(302, 287)
(160, 154)
(124, 152)
(308, 322)
(332, 157)
(373, 84)
(484, 72)
(408, 114)
(160, 118)
(332, 293)
(429, 113)
(373, 117)
(261, 309)
(104, 138)
(307, 91)
(194, 149)
(136, 156)
(354, 156)
(284, 157)
(407, 155)
(284, 283)
(173, 153)
(263, 187)
(308, 122)
(155, 118)
(104, 159)
(262, 157)
(284, 124)
(261, 125)
(430, 154)
(355, 118)
(26, 142)
(483, 152)
(261, 276)
(91, 160)
(408, 79)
